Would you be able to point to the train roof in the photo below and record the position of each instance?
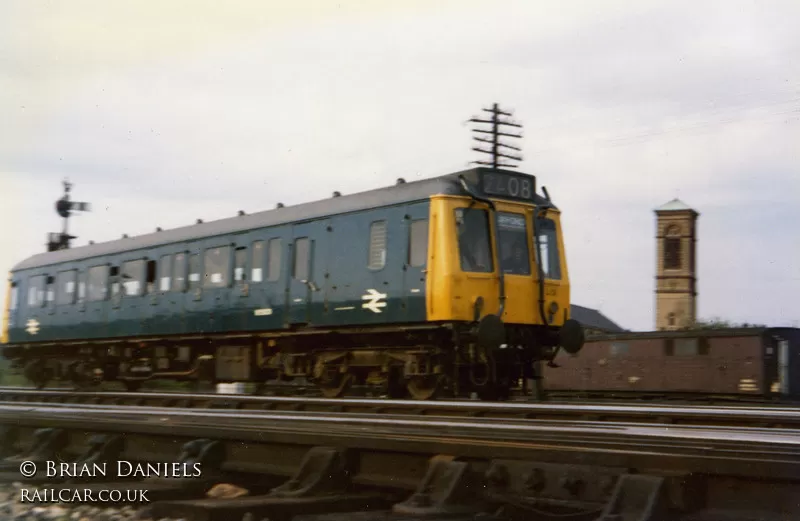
(401, 192)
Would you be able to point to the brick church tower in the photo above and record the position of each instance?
(676, 261)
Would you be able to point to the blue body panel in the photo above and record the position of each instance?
(341, 289)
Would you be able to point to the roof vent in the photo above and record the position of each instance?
(91, 242)
(401, 181)
(124, 235)
(279, 205)
(241, 212)
(199, 221)
(337, 194)
(158, 228)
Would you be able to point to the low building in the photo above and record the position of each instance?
(594, 322)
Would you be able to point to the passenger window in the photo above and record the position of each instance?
(275, 253)
(217, 262)
(98, 281)
(133, 278)
(194, 271)
(240, 264)
(474, 244)
(301, 257)
(81, 287)
(257, 271)
(179, 273)
(113, 274)
(418, 243)
(65, 287)
(165, 273)
(377, 245)
(36, 291)
(50, 291)
(150, 272)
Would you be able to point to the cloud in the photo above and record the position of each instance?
(197, 112)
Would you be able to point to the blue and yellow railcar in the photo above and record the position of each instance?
(455, 283)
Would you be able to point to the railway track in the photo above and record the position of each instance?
(392, 460)
(637, 412)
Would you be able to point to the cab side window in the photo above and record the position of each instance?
(418, 243)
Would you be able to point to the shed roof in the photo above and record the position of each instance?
(591, 318)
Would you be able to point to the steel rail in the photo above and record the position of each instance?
(642, 413)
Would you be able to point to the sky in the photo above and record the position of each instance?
(161, 113)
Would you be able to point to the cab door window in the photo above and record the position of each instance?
(548, 248)
(14, 296)
(474, 240)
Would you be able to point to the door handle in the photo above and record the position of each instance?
(310, 284)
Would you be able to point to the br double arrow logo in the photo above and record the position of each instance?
(32, 326)
(374, 301)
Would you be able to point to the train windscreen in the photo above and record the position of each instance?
(512, 243)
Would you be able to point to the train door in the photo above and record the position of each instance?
(194, 318)
(216, 282)
(167, 314)
(243, 291)
(49, 308)
(415, 262)
(307, 272)
(151, 298)
(268, 269)
(127, 297)
(93, 313)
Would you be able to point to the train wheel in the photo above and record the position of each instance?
(79, 377)
(337, 387)
(424, 387)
